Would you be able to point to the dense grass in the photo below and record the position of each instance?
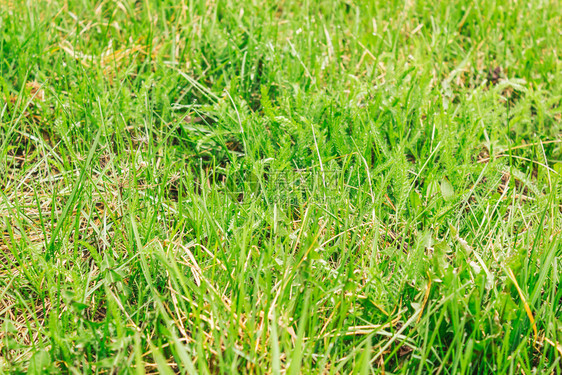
(280, 187)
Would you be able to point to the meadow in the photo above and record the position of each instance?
(280, 187)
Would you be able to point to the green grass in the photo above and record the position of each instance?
(150, 219)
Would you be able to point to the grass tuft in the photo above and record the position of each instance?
(280, 187)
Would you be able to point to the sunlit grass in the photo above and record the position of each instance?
(280, 187)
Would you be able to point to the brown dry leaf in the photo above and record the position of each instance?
(494, 75)
(483, 155)
(36, 90)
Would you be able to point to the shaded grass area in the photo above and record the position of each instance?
(280, 187)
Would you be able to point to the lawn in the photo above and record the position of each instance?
(280, 187)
